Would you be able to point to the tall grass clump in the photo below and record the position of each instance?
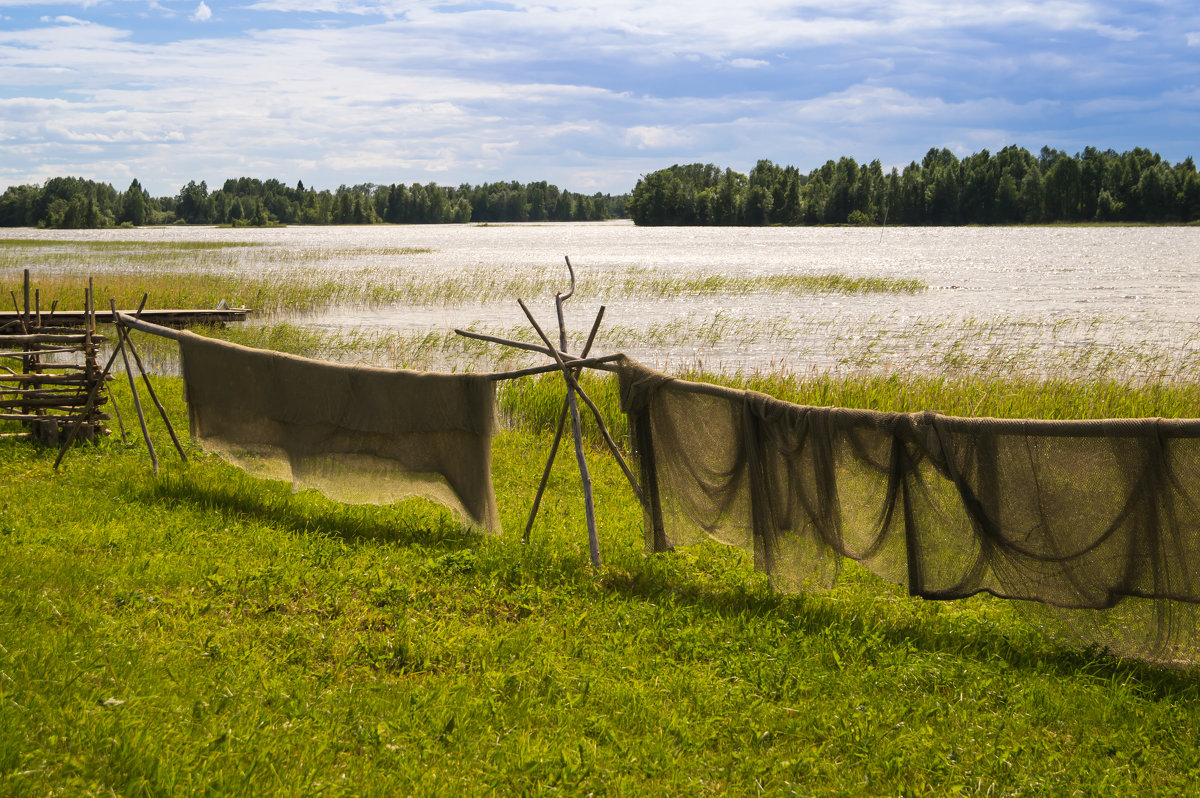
(534, 403)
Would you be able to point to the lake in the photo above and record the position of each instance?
(1042, 301)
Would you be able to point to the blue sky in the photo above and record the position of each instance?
(588, 96)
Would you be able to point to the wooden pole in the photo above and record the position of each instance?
(162, 411)
(144, 326)
(137, 402)
(27, 360)
(92, 395)
(566, 372)
(537, 499)
(599, 363)
(585, 475)
(558, 432)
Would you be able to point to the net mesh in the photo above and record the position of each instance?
(1097, 520)
(357, 434)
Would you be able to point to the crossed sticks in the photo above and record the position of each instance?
(570, 367)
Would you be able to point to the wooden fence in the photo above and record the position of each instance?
(48, 371)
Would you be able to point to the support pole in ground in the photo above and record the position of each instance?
(93, 393)
(558, 432)
(162, 411)
(585, 475)
(577, 429)
(137, 402)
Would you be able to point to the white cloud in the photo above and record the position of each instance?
(655, 137)
(66, 20)
(748, 63)
(412, 90)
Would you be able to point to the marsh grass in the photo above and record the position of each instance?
(206, 632)
(278, 279)
(1001, 349)
(108, 246)
(533, 403)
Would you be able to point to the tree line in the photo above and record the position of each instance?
(1011, 187)
(72, 202)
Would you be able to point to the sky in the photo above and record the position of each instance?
(588, 96)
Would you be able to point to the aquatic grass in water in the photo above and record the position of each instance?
(55, 245)
(683, 285)
(279, 279)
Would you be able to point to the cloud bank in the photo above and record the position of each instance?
(588, 96)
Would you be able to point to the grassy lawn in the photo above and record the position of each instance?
(205, 632)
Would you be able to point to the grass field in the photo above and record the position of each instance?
(205, 632)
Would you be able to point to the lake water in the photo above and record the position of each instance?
(1043, 300)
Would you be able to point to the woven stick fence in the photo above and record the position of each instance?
(49, 377)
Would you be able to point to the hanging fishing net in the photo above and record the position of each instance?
(357, 434)
(1099, 520)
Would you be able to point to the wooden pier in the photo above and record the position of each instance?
(10, 321)
(50, 379)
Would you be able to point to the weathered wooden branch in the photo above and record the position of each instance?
(558, 432)
(49, 403)
(573, 384)
(601, 363)
(60, 420)
(47, 338)
(45, 379)
(137, 402)
(162, 411)
(147, 327)
(93, 393)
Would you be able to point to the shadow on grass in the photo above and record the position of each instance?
(659, 579)
(413, 522)
(816, 614)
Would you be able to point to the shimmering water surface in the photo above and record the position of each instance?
(1081, 299)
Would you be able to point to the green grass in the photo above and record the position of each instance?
(205, 632)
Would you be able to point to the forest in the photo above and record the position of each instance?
(72, 202)
(1011, 187)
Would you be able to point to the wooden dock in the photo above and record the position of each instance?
(10, 320)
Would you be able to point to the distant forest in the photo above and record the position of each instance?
(72, 202)
(1011, 187)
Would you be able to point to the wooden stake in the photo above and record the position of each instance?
(137, 402)
(558, 432)
(92, 394)
(585, 475)
(537, 499)
(571, 381)
(162, 411)
(598, 363)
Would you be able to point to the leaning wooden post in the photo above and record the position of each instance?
(162, 411)
(137, 402)
(29, 348)
(558, 432)
(585, 474)
(90, 369)
(576, 428)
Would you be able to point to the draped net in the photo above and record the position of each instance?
(1099, 520)
(357, 434)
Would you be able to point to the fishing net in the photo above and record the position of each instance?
(1098, 520)
(357, 434)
